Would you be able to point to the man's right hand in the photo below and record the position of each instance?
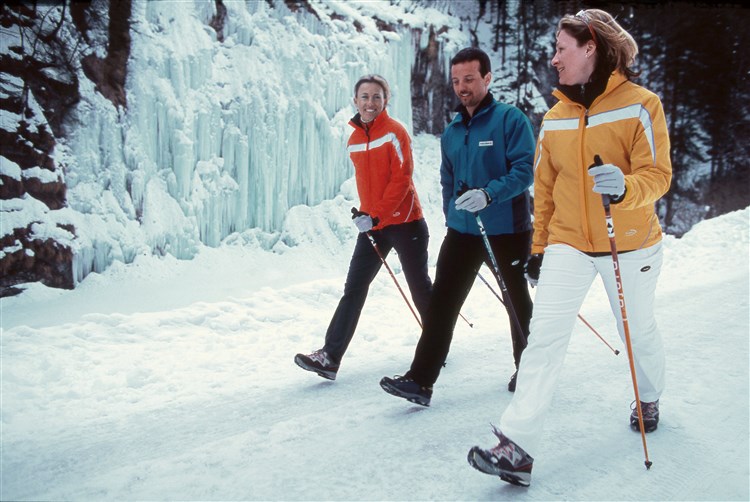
(473, 200)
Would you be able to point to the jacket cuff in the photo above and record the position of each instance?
(617, 200)
(486, 194)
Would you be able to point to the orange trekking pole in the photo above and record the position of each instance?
(584, 321)
(621, 295)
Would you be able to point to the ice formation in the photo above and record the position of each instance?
(225, 135)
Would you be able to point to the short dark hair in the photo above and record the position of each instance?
(473, 54)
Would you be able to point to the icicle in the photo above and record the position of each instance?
(221, 137)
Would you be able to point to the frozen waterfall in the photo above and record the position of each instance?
(221, 136)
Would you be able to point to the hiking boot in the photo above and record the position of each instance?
(507, 460)
(408, 389)
(318, 362)
(512, 383)
(650, 416)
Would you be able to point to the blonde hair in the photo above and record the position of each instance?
(374, 79)
(616, 49)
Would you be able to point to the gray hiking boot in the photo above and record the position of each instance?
(507, 460)
(650, 416)
(318, 362)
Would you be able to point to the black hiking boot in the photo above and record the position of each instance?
(512, 383)
(408, 389)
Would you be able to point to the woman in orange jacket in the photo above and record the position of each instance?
(390, 213)
(600, 113)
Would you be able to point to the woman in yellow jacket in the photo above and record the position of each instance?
(600, 113)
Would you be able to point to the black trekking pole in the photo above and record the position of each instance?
(621, 295)
(463, 188)
(617, 352)
(498, 275)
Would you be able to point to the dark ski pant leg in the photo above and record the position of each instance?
(511, 252)
(363, 268)
(410, 241)
(458, 262)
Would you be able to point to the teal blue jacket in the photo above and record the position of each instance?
(493, 150)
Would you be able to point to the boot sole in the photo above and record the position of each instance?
(412, 398)
(328, 375)
(478, 462)
(648, 427)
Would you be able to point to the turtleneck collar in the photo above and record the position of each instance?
(585, 94)
(465, 116)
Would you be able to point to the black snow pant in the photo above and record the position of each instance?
(461, 256)
(410, 241)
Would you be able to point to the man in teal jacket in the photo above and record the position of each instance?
(487, 157)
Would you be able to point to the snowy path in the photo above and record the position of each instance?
(204, 402)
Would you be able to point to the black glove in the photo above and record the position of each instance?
(532, 268)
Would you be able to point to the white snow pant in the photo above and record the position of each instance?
(564, 281)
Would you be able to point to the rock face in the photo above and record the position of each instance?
(38, 87)
(28, 255)
(432, 95)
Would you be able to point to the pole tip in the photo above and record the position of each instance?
(648, 464)
(617, 352)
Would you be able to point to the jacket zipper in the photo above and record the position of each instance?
(584, 208)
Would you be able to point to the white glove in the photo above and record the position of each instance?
(608, 179)
(473, 200)
(363, 223)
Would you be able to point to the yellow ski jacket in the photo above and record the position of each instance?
(626, 127)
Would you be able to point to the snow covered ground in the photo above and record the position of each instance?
(174, 380)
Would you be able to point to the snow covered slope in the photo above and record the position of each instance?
(169, 379)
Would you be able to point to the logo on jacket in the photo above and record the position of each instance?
(486, 143)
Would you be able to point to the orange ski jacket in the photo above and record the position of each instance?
(383, 165)
(626, 127)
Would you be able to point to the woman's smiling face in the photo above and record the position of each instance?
(574, 63)
(370, 101)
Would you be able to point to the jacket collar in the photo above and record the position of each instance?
(464, 113)
(356, 121)
(596, 92)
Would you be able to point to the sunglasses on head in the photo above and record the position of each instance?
(584, 17)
